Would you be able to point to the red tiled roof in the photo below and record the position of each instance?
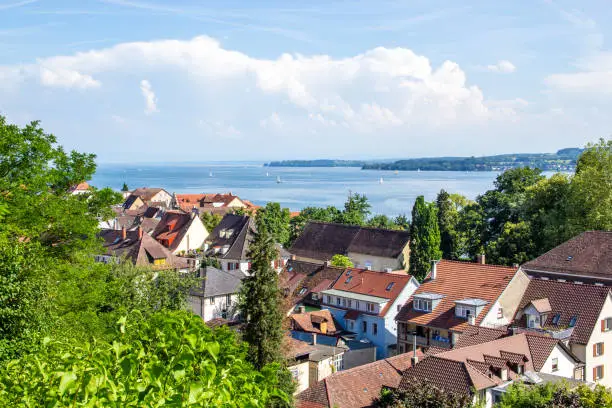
(455, 281)
(588, 254)
(473, 335)
(298, 275)
(304, 322)
(372, 283)
(358, 386)
(172, 228)
(568, 300)
(189, 201)
(81, 187)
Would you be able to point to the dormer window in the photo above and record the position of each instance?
(426, 302)
(466, 308)
(422, 305)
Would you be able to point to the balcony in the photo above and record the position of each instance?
(409, 338)
(441, 342)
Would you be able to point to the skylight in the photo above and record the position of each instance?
(556, 318)
(302, 291)
(348, 273)
(348, 280)
(572, 321)
(389, 286)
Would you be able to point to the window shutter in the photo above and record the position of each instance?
(602, 348)
(594, 373)
(594, 350)
(602, 371)
(603, 325)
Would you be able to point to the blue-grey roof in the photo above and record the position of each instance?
(216, 282)
(472, 302)
(429, 296)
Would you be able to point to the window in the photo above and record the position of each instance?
(556, 318)
(399, 307)
(357, 304)
(370, 307)
(348, 273)
(338, 362)
(572, 321)
(500, 313)
(555, 364)
(338, 300)
(228, 300)
(350, 324)
(350, 303)
(389, 286)
(348, 280)
(606, 324)
(598, 349)
(598, 372)
(374, 329)
(364, 327)
(343, 302)
(295, 373)
(302, 291)
(422, 304)
(211, 300)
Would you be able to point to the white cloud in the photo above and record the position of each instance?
(149, 96)
(273, 121)
(66, 78)
(595, 76)
(502, 67)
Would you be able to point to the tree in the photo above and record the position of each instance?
(296, 224)
(471, 229)
(448, 218)
(557, 395)
(276, 221)
(402, 222)
(421, 394)
(356, 210)
(424, 238)
(342, 261)
(171, 359)
(210, 220)
(514, 245)
(260, 300)
(125, 188)
(381, 221)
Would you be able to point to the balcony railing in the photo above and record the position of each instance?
(441, 342)
(420, 340)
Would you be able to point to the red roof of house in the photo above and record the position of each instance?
(456, 281)
(81, 186)
(172, 228)
(366, 282)
(188, 201)
(304, 322)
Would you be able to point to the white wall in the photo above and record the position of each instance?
(162, 197)
(303, 380)
(508, 301)
(598, 336)
(565, 363)
(206, 310)
(377, 263)
(194, 237)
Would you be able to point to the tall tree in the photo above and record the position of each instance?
(260, 300)
(125, 188)
(356, 210)
(341, 261)
(448, 217)
(424, 238)
(276, 221)
(210, 220)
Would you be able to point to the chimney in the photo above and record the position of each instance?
(139, 232)
(414, 359)
(123, 233)
(481, 259)
(434, 269)
(301, 309)
(314, 339)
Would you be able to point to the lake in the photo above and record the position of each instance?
(389, 193)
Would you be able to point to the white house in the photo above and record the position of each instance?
(367, 302)
(180, 232)
(217, 296)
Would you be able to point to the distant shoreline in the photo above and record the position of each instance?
(563, 160)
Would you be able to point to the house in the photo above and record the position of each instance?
(211, 203)
(216, 297)
(180, 232)
(144, 216)
(579, 314)
(80, 188)
(368, 248)
(157, 197)
(366, 303)
(318, 322)
(302, 282)
(139, 248)
(484, 370)
(229, 244)
(297, 353)
(357, 387)
(586, 258)
(132, 202)
(455, 295)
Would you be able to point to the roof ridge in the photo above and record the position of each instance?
(479, 264)
(361, 270)
(356, 226)
(567, 282)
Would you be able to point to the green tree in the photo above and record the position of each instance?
(327, 214)
(471, 229)
(402, 222)
(381, 221)
(171, 359)
(424, 238)
(342, 261)
(125, 188)
(514, 245)
(448, 218)
(276, 221)
(549, 395)
(210, 220)
(421, 394)
(356, 210)
(260, 301)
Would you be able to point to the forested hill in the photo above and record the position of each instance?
(564, 159)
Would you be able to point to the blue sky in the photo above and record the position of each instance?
(163, 80)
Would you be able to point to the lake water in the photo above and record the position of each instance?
(299, 187)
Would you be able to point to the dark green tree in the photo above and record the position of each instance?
(356, 210)
(327, 214)
(125, 188)
(276, 221)
(260, 300)
(448, 218)
(402, 222)
(381, 221)
(421, 394)
(471, 230)
(210, 220)
(424, 238)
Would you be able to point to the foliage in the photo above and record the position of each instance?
(448, 218)
(342, 261)
(421, 394)
(327, 214)
(210, 261)
(548, 395)
(125, 188)
(173, 359)
(424, 238)
(210, 220)
(260, 301)
(276, 221)
(356, 210)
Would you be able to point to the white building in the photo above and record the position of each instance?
(217, 296)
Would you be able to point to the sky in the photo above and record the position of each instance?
(229, 80)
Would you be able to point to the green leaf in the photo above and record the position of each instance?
(67, 380)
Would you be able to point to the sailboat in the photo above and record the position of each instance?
(396, 172)
(210, 174)
(278, 180)
(418, 170)
(381, 181)
(267, 174)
